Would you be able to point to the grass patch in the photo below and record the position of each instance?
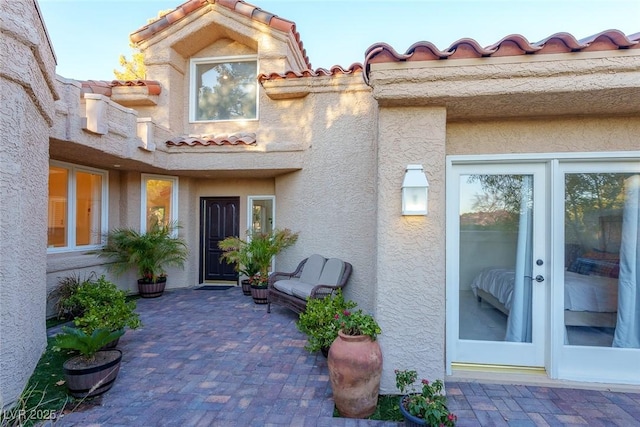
(45, 395)
(388, 409)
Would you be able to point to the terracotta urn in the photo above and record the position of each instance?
(355, 369)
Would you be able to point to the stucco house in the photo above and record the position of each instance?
(526, 260)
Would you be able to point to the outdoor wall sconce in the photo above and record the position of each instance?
(414, 191)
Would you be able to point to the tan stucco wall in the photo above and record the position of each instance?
(410, 264)
(27, 66)
(332, 200)
(549, 135)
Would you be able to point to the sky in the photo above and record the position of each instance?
(89, 35)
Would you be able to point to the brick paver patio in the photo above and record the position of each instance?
(214, 358)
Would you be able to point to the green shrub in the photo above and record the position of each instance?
(104, 306)
(318, 320)
(65, 307)
(86, 344)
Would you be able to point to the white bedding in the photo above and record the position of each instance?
(581, 292)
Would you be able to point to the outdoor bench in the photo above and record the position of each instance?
(315, 277)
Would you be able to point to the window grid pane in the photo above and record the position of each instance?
(159, 196)
(226, 91)
(88, 208)
(58, 199)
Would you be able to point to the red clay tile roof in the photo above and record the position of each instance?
(104, 87)
(512, 45)
(239, 6)
(356, 67)
(235, 139)
(101, 87)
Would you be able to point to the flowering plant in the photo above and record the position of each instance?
(259, 280)
(357, 323)
(429, 404)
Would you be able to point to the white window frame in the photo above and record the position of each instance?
(143, 197)
(73, 169)
(192, 84)
(250, 200)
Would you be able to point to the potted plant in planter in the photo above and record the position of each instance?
(150, 253)
(318, 321)
(355, 364)
(99, 304)
(427, 407)
(258, 250)
(236, 251)
(93, 371)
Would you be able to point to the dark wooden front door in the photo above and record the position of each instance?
(219, 218)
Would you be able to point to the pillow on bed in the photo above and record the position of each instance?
(597, 263)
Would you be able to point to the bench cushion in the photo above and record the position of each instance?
(302, 290)
(312, 269)
(332, 272)
(286, 285)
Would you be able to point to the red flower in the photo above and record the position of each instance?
(425, 382)
(346, 313)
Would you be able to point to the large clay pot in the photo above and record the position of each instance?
(149, 289)
(355, 368)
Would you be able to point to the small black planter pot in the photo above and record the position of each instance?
(149, 289)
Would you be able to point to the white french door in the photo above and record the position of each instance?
(497, 264)
(596, 310)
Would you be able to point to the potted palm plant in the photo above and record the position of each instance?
(257, 251)
(150, 253)
(236, 251)
(94, 370)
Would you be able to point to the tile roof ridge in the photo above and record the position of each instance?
(245, 138)
(517, 39)
(153, 86)
(238, 6)
(567, 39)
(616, 36)
(470, 47)
(102, 87)
(511, 45)
(318, 72)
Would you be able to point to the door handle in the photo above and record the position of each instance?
(539, 278)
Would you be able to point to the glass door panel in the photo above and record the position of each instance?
(599, 328)
(501, 252)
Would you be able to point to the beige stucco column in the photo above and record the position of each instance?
(410, 292)
(27, 69)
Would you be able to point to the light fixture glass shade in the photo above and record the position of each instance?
(414, 191)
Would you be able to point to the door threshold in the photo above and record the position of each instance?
(219, 282)
(524, 375)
